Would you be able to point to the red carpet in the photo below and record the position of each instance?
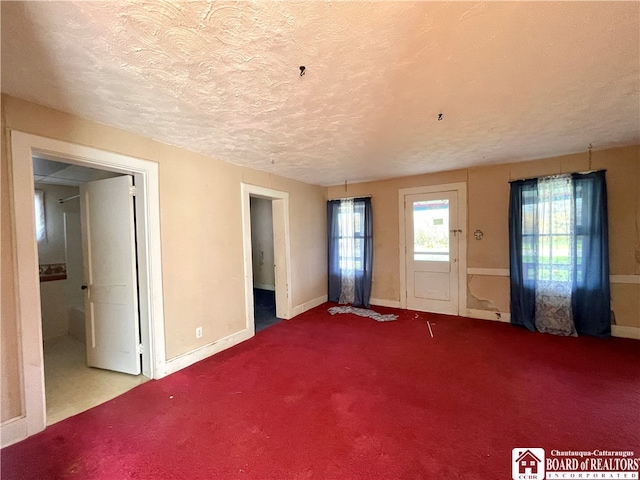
(345, 397)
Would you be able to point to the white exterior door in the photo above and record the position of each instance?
(109, 261)
(432, 238)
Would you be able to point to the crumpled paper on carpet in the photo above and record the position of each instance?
(364, 312)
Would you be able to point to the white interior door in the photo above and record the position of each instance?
(431, 240)
(109, 261)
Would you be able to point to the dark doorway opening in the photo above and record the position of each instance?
(264, 308)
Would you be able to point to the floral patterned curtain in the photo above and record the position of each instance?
(554, 271)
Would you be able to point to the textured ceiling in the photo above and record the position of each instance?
(514, 80)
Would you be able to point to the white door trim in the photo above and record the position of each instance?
(461, 188)
(23, 147)
(281, 249)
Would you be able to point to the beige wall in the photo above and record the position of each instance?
(262, 243)
(384, 203)
(487, 210)
(201, 233)
(308, 233)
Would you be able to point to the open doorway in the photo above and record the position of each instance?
(262, 256)
(267, 212)
(71, 385)
(24, 146)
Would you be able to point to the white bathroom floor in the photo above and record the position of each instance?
(71, 387)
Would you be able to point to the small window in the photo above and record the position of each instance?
(431, 231)
(41, 226)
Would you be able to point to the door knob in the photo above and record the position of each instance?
(83, 287)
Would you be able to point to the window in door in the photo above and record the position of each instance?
(431, 230)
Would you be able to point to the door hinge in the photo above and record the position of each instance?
(132, 190)
(140, 349)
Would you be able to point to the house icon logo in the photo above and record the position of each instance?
(527, 464)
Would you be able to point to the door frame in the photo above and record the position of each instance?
(281, 249)
(461, 189)
(29, 319)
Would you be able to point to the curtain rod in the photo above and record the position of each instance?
(62, 200)
(557, 174)
(350, 198)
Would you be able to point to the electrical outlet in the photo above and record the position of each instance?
(199, 332)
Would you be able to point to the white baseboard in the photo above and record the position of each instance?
(264, 286)
(183, 361)
(489, 315)
(384, 303)
(625, 332)
(14, 430)
(297, 310)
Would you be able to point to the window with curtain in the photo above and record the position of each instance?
(559, 254)
(350, 250)
(41, 226)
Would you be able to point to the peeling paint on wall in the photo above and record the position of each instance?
(487, 292)
(478, 303)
